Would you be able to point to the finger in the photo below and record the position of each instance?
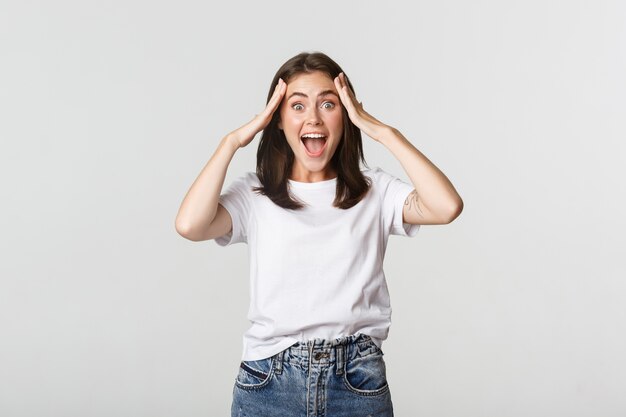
(348, 100)
(337, 83)
(279, 92)
(342, 81)
(277, 89)
(341, 89)
(348, 89)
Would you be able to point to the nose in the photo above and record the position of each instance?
(313, 116)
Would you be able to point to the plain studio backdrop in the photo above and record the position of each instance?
(109, 110)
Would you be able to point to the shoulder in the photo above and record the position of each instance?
(251, 178)
(241, 187)
(378, 175)
(248, 179)
(388, 185)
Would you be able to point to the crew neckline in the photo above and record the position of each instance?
(310, 185)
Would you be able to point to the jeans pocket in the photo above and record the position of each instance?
(255, 374)
(367, 375)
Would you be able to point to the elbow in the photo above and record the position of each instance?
(184, 229)
(454, 212)
(181, 228)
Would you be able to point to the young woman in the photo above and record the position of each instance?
(317, 226)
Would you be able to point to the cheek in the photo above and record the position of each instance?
(289, 120)
(336, 121)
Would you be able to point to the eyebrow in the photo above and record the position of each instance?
(323, 93)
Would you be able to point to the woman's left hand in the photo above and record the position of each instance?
(362, 119)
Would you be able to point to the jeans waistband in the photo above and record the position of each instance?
(326, 353)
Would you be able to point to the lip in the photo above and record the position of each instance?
(314, 133)
(314, 155)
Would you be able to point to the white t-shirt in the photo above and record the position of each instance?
(315, 272)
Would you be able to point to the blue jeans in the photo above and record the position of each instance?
(344, 377)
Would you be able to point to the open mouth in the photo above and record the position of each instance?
(314, 144)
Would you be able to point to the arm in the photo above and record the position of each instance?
(434, 200)
(200, 216)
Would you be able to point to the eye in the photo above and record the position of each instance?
(297, 106)
(328, 105)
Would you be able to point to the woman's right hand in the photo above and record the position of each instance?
(244, 135)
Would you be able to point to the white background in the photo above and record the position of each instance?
(109, 110)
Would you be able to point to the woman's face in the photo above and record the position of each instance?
(310, 117)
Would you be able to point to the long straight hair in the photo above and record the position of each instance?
(275, 158)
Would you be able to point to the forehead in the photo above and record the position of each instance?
(310, 83)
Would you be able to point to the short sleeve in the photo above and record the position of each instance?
(236, 200)
(395, 192)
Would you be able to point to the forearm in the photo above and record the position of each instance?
(433, 188)
(199, 206)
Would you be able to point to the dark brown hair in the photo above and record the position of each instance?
(275, 157)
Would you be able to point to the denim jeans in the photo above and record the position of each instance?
(344, 377)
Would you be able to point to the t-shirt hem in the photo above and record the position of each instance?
(269, 351)
(400, 227)
(227, 239)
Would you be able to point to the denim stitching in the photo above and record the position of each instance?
(259, 385)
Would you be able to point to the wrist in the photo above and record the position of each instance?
(232, 141)
(388, 134)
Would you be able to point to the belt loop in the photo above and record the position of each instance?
(278, 359)
(340, 352)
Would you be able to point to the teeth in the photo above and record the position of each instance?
(313, 135)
